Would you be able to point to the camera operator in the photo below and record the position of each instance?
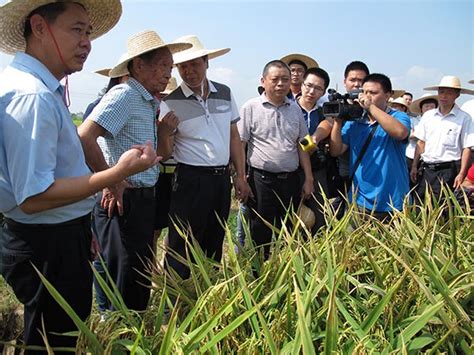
(379, 179)
(315, 83)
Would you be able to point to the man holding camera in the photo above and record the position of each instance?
(376, 143)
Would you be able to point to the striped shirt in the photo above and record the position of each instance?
(128, 114)
(203, 135)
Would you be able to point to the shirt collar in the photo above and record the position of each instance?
(33, 66)
(454, 111)
(188, 92)
(134, 83)
(264, 99)
(315, 107)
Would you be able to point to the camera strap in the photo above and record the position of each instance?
(362, 152)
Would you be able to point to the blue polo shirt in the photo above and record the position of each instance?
(38, 142)
(381, 180)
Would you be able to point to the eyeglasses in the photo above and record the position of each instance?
(313, 87)
(297, 70)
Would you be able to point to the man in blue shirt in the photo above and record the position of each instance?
(380, 182)
(45, 185)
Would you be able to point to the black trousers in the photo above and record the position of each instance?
(200, 202)
(434, 177)
(273, 195)
(61, 252)
(126, 244)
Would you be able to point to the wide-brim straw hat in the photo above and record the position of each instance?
(415, 106)
(308, 61)
(172, 85)
(142, 43)
(116, 74)
(397, 93)
(453, 82)
(196, 51)
(401, 101)
(103, 15)
(307, 216)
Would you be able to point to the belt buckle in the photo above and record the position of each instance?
(282, 176)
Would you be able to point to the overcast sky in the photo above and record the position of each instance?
(414, 42)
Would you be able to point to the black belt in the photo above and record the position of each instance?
(145, 192)
(208, 170)
(440, 166)
(281, 176)
(72, 222)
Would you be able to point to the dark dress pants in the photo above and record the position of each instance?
(126, 243)
(61, 252)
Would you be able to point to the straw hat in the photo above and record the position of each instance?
(415, 106)
(172, 85)
(103, 15)
(471, 81)
(450, 81)
(116, 74)
(397, 93)
(142, 43)
(401, 101)
(196, 51)
(307, 216)
(308, 61)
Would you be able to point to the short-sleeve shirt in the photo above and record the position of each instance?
(445, 136)
(203, 135)
(38, 142)
(381, 180)
(272, 134)
(128, 114)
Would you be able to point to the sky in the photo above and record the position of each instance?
(415, 42)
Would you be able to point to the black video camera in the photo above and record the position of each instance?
(342, 106)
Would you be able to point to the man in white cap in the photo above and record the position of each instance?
(124, 214)
(45, 185)
(206, 140)
(445, 136)
(298, 64)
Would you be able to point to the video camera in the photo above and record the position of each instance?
(342, 106)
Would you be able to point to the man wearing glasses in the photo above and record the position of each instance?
(298, 64)
(315, 83)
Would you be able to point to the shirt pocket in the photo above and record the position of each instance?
(451, 137)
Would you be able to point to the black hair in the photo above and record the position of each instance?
(382, 79)
(275, 63)
(356, 65)
(429, 101)
(408, 93)
(320, 73)
(49, 12)
(299, 62)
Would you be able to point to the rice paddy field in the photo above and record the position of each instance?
(357, 287)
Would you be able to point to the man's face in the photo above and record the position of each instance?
(154, 75)
(193, 72)
(408, 99)
(447, 97)
(375, 93)
(297, 73)
(71, 29)
(312, 89)
(427, 106)
(354, 79)
(276, 83)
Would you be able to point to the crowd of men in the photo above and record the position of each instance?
(53, 205)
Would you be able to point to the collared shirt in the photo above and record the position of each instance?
(128, 114)
(272, 134)
(312, 117)
(381, 180)
(410, 152)
(445, 136)
(38, 142)
(203, 135)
